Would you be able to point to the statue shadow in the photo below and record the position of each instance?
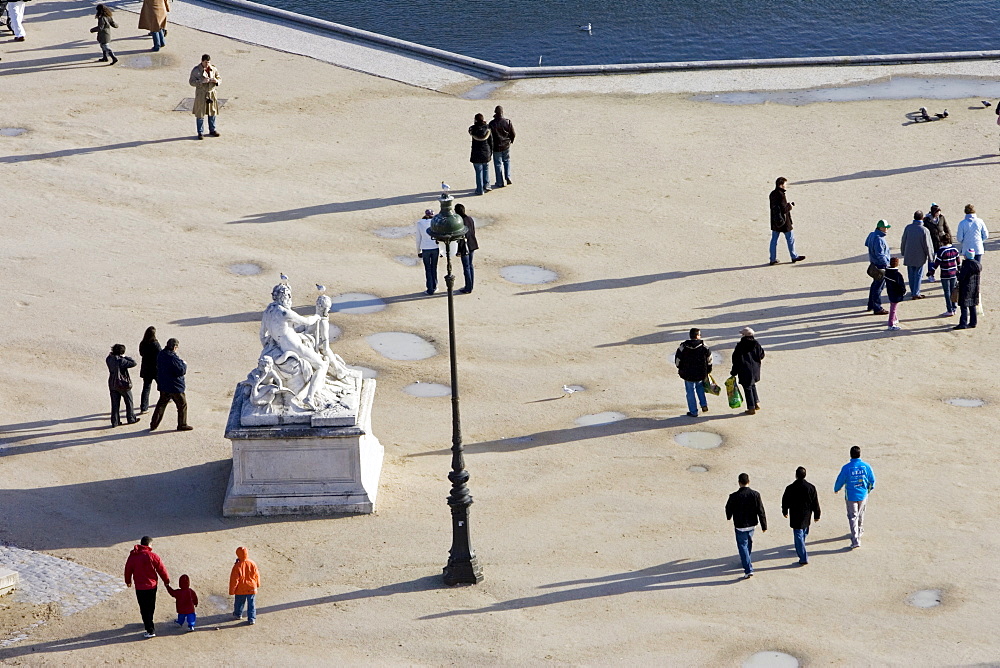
(104, 513)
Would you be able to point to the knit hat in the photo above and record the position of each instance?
(746, 331)
(971, 254)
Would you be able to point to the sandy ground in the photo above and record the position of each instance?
(598, 545)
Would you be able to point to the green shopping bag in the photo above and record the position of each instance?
(711, 386)
(733, 392)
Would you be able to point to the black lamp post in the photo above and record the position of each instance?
(462, 568)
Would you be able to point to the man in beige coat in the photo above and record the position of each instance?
(153, 18)
(205, 79)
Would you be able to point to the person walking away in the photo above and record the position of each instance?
(878, 262)
(781, 221)
(170, 371)
(120, 384)
(800, 504)
(428, 251)
(481, 153)
(186, 600)
(968, 290)
(693, 360)
(917, 249)
(15, 14)
(745, 509)
(972, 233)
(149, 349)
(105, 22)
(896, 290)
(947, 262)
(467, 248)
(143, 567)
(936, 224)
(747, 357)
(244, 580)
(858, 480)
(501, 137)
(205, 79)
(153, 17)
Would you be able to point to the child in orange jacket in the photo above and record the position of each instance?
(187, 601)
(243, 583)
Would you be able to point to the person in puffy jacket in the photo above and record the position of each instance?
(693, 360)
(187, 601)
(481, 153)
(501, 137)
(143, 567)
(968, 290)
(244, 580)
(747, 357)
(895, 287)
(105, 22)
(120, 384)
(149, 349)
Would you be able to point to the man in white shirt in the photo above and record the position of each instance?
(427, 250)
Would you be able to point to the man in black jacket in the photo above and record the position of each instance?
(800, 501)
(694, 362)
(781, 221)
(467, 247)
(501, 136)
(170, 371)
(745, 508)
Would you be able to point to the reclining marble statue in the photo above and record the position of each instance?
(298, 378)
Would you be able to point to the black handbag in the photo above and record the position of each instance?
(876, 273)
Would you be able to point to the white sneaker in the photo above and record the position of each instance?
(895, 328)
(147, 634)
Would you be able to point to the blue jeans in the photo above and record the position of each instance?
(158, 40)
(799, 536)
(248, 600)
(691, 388)
(789, 239)
(482, 177)
(468, 271)
(948, 285)
(744, 544)
(190, 619)
(430, 258)
(201, 125)
(915, 274)
(969, 316)
(875, 294)
(501, 157)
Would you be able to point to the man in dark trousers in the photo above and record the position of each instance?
(693, 360)
(745, 508)
(501, 137)
(799, 504)
(170, 370)
(466, 248)
(878, 262)
(143, 566)
(781, 221)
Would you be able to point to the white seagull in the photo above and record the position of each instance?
(321, 288)
(445, 186)
(283, 277)
(587, 27)
(569, 390)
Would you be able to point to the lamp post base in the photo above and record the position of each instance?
(463, 571)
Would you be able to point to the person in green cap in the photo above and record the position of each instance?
(878, 258)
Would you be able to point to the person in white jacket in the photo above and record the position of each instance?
(427, 250)
(972, 233)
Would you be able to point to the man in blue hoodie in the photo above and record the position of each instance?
(878, 258)
(858, 478)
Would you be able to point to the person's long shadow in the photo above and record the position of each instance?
(879, 173)
(73, 61)
(45, 441)
(647, 279)
(574, 434)
(679, 574)
(342, 207)
(42, 424)
(87, 150)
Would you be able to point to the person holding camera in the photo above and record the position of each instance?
(781, 221)
(205, 78)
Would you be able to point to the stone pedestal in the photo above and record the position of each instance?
(300, 469)
(8, 581)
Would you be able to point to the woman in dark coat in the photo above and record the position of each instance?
(149, 348)
(120, 385)
(746, 367)
(481, 153)
(968, 290)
